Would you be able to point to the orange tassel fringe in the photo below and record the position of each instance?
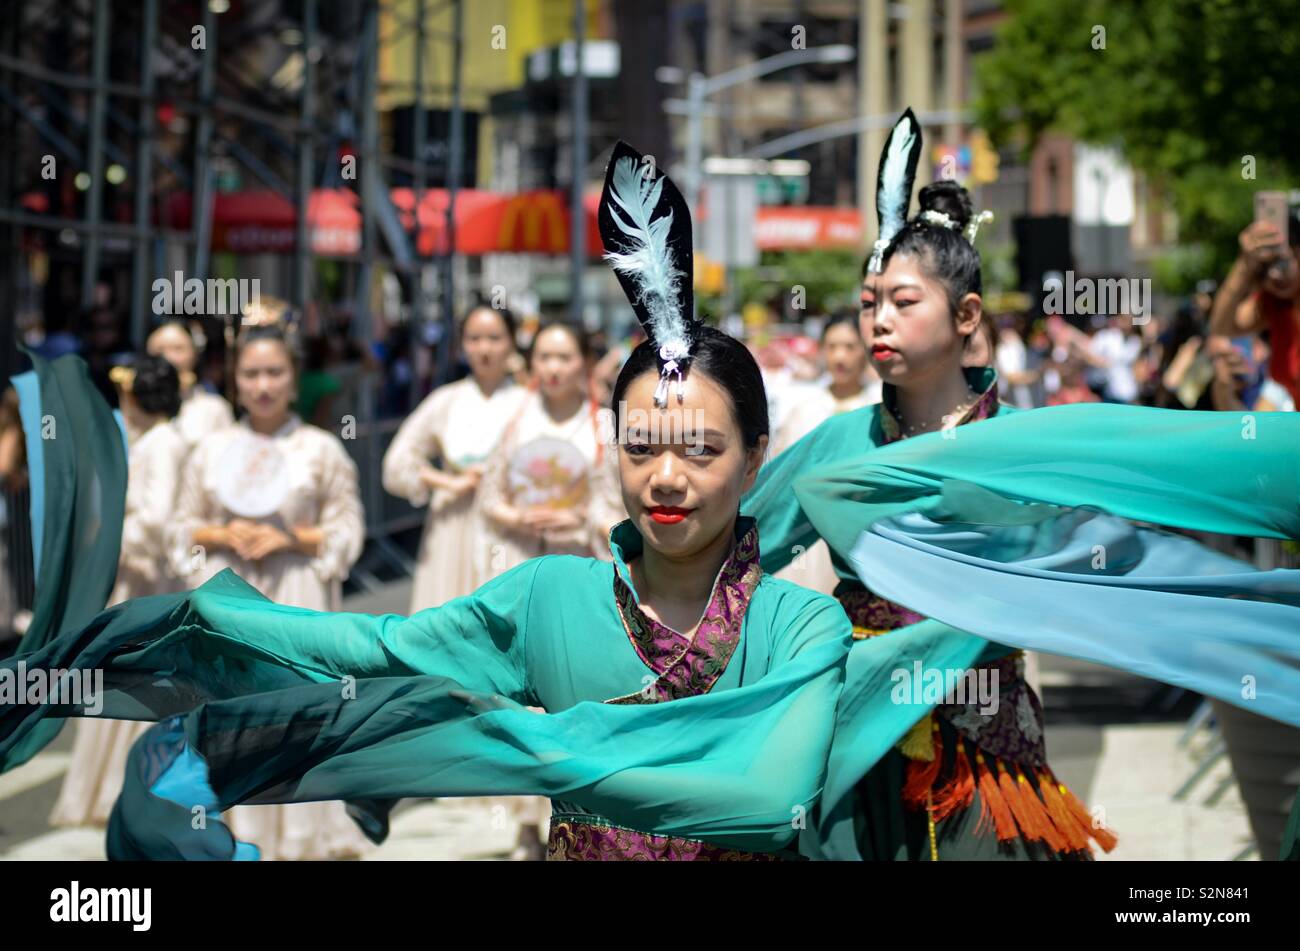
(1011, 805)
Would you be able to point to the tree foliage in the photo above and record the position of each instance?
(1189, 90)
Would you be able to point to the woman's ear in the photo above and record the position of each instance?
(969, 312)
(754, 462)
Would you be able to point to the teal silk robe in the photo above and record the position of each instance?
(737, 760)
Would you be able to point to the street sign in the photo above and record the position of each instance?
(730, 214)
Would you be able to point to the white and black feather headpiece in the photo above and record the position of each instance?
(894, 181)
(646, 228)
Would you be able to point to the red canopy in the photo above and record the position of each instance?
(487, 222)
(264, 221)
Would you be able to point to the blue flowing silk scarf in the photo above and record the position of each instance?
(1006, 530)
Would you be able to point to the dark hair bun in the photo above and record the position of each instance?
(949, 198)
(156, 386)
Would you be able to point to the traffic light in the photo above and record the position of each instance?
(983, 159)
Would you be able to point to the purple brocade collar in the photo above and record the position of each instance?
(686, 667)
(982, 380)
(582, 840)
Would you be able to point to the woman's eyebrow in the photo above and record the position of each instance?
(705, 434)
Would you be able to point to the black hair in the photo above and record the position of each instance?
(261, 332)
(507, 317)
(847, 318)
(943, 252)
(723, 359)
(156, 387)
(577, 333)
(176, 322)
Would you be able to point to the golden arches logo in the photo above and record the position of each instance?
(543, 224)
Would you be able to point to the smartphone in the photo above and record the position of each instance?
(1272, 207)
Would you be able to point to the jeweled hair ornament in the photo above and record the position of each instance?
(943, 220)
(646, 228)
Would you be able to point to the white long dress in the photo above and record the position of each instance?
(458, 425)
(812, 568)
(307, 475)
(154, 465)
(560, 463)
(202, 414)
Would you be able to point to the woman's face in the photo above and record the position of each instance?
(173, 345)
(1282, 279)
(908, 324)
(487, 344)
(264, 379)
(845, 355)
(683, 468)
(558, 364)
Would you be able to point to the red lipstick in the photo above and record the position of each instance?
(881, 352)
(668, 514)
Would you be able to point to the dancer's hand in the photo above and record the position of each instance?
(1261, 243)
(265, 543)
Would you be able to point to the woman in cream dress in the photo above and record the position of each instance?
(276, 500)
(545, 489)
(201, 412)
(458, 425)
(149, 397)
(853, 384)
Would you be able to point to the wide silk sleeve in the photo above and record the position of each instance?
(151, 507)
(742, 768)
(783, 526)
(413, 447)
(342, 519)
(192, 512)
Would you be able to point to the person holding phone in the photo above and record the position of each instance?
(1262, 291)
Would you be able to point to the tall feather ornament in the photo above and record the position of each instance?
(644, 251)
(646, 257)
(894, 183)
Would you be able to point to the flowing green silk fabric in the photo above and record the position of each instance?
(435, 706)
(266, 703)
(76, 456)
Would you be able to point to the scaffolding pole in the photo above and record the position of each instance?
(95, 158)
(421, 282)
(303, 180)
(141, 269)
(203, 196)
(577, 216)
(457, 148)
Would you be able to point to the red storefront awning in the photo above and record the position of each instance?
(257, 222)
(534, 222)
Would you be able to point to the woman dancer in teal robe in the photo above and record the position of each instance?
(959, 771)
(743, 738)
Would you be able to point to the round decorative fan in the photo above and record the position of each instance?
(548, 472)
(254, 480)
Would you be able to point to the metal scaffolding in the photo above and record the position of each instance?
(234, 112)
(284, 140)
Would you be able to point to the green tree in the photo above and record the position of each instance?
(1193, 93)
